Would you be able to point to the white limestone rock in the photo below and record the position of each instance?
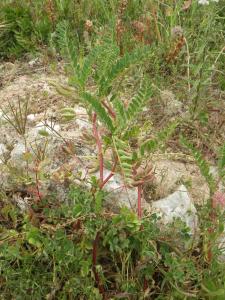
(44, 129)
(2, 149)
(31, 118)
(171, 105)
(178, 205)
(169, 174)
(118, 195)
(18, 152)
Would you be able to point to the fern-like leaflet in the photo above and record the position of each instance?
(202, 164)
(152, 144)
(108, 57)
(99, 109)
(122, 64)
(125, 159)
(137, 103)
(121, 116)
(104, 65)
(126, 115)
(67, 45)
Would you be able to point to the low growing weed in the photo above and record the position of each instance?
(52, 257)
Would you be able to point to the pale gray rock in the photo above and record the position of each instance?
(169, 174)
(1, 115)
(31, 118)
(171, 105)
(47, 127)
(118, 195)
(18, 152)
(2, 149)
(21, 202)
(178, 205)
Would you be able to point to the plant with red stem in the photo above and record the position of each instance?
(216, 199)
(39, 152)
(94, 263)
(139, 178)
(129, 162)
(99, 146)
(37, 183)
(139, 207)
(118, 119)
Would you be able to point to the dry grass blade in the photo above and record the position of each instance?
(3, 26)
(17, 115)
(39, 149)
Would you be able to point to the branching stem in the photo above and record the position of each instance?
(94, 263)
(37, 182)
(109, 109)
(139, 209)
(110, 175)
(99, 146)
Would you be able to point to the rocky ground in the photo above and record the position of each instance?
(61, 155)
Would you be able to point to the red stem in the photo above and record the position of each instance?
(99, 146)
(139, 212)
(145, 284)
(94, 262)
(109, 109)
(95, 244)
(37, 182)
(139, 209)
(211, 231)
(110, 175)
(106, 180)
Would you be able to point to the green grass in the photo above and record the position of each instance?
(48, 254)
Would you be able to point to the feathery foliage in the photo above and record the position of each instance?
(152, 144)
(130, 59)
(125, 116)
(125, 159)
(67, 44)
(99, 109)
(17, 37)
(104, 65)
(202, 164)
(137, 103)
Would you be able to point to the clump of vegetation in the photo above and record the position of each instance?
(29, 26)
(50, 253)
(119, 119)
